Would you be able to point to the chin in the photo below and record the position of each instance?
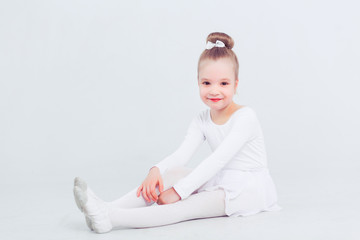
(216, 107)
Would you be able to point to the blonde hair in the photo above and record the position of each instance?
(220, 52)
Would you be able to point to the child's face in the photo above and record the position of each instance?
(217, 80)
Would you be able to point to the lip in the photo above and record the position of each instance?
(215, 99)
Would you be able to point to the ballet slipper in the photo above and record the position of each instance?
(82, 184)
(95, 210)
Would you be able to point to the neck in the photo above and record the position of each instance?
(224, 111)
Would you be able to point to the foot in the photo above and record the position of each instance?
(82, 184)
(94, 209)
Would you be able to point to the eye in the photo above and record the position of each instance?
(226, 83)
(205, 83)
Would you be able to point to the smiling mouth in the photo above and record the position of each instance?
(215, 99)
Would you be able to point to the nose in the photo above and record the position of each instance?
(213, 92)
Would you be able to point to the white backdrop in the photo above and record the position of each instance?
(105, 89)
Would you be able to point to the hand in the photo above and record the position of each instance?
(168, 196)
(149, 185)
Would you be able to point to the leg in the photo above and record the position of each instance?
(104, 218)
(130, 200)
(200, 205)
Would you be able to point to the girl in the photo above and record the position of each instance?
(233, 181)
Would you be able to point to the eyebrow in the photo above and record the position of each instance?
(223, 79)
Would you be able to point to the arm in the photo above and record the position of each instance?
(193, 139)
(242, 131)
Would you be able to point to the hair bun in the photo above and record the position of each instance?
(226, 39)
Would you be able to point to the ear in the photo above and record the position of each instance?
(236, 84)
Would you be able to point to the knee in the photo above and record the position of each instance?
(173, 175)
(179, 171)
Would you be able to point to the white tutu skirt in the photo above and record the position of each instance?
(246, 192)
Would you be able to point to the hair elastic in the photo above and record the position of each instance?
(210, 45)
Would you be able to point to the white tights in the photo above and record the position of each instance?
(135, 212)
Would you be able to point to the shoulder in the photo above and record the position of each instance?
(245, 110)
(246, 114)
(202, 116)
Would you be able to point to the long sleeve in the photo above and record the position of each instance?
(241, 132)
(193, 139)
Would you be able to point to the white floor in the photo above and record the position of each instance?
(321, 207)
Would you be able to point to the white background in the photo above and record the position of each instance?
(105, 89)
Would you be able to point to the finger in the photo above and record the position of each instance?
(147, 193)
(144, 194)
(138, 191)
(161, 185)
(153, 194)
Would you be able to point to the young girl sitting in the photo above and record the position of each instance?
(233, 181)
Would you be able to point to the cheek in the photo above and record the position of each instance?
(230, 92)
(202, 92)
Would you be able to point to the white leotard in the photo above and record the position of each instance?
(238, 163)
